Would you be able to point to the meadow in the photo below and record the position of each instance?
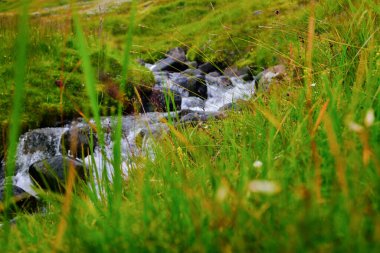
(294, 169)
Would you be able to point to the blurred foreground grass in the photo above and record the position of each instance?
(297, 169)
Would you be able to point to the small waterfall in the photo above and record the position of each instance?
(45, 143)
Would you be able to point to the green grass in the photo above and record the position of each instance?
(200, 192)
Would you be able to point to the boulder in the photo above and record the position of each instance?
(159, 97)
(77, 142)
(271, 76)
(51, 174)
(220, 81)
(192, 84)
(174, 62)
(192, 64)
(193, 72)
(40, 140)
(244, 73)
(21, 200)
(193, 103)
(177, 54)
(207, 67)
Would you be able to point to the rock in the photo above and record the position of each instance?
(193, 103)
(175, 61)
(234, 106)
(169, 64)
(193, 85)
(220, 81)
(160, 95)
(214, 74)
(52, 173)
(40, 140)
(192, 64)
(161, 77)
(193, 72)
(140, 62)
(81, 136)
(190, 116)
(21, 199)
(270, 76)
(207, 68)
(177, 54)
(234, 71)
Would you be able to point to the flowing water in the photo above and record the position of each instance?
(40, 144)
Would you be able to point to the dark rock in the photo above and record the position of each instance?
(52, 173)
(40, 141)
(77, 140)
(193, 85)
(192, 64)
(159, 97)
(160, 77)
(220, 81)
(175, 61)
(169, 64)
(177, 54)
(193, 72)
(207, 68)
(21, 200)
(233, 71)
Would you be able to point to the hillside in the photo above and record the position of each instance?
(294, 168)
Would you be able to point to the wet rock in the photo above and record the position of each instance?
(193, 72)
(51, 174)
(242, 73)
(161, 77)
(177, 54)
(192, 64)
(77, 142)
(193, 85)
(160, 96)
(21, 200)
(207, 67)
(175, 61)
(40, 140)
(220, 81)
(271, 76)
(193, 103)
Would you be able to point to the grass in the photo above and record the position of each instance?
(297, 169)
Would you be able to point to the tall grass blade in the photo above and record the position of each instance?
(118, 133)
(17, 107)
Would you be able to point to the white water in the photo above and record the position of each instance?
(44, 143)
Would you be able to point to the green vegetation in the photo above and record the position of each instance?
(297, 169)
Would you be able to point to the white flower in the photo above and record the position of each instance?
(263, 186)
(258, 164)
(222, 193)
(313, 84)
(369, 118)
(355, 127)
